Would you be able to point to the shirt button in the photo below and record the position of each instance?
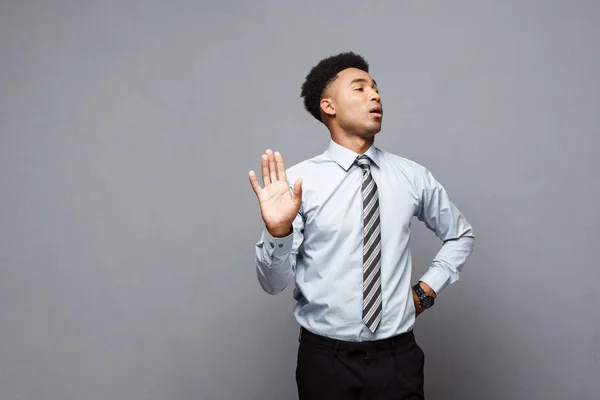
(272, 245)
(280, 244)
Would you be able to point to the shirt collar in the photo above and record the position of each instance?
(345, 157)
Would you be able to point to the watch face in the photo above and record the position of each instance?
(427, 302)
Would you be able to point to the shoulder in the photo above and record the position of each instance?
(408, 166)
(419, 176)
(307, 167)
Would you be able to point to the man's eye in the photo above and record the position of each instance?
(361, 89)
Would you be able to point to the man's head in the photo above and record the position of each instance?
(340, 93)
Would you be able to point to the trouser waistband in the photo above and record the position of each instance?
(389, 343)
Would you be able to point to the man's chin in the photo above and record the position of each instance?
(369, 134)
(366, 131)
(374, 130)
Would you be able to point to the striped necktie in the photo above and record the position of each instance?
(372, 308)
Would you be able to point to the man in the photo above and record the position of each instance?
(338, 225)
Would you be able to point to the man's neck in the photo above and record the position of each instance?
(357, 144)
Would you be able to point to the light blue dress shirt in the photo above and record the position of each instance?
(323, 255)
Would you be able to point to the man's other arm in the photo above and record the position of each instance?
(442, 217)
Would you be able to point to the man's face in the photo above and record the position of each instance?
(355, 103)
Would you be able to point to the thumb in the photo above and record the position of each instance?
(298, 188)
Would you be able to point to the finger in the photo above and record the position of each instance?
(264, 163)
(254, 182)
(298, 188)
(272, 170)
(280, 167)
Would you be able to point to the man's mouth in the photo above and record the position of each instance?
(377, 111)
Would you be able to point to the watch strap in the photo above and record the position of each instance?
(419, 290)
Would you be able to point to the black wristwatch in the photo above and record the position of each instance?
(425, 300)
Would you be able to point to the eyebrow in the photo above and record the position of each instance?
(362, 80)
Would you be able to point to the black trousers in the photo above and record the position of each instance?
(390, 369)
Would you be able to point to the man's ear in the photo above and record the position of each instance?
(327, 107)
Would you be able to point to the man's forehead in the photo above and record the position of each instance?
(354, 74)
(346, 77)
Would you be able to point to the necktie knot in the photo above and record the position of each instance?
(364, 162)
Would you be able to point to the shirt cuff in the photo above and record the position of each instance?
(436, 279)
(277, 246)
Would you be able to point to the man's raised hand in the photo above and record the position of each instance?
(278, 204)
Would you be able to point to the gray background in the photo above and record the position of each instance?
(127, 223)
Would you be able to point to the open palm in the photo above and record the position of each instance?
(278, 204)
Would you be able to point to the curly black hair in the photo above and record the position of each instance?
(325, 72)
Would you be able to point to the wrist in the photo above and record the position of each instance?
(279, 232)
(427, 289)
(424, 299)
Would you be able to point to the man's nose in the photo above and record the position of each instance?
(375, 96)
